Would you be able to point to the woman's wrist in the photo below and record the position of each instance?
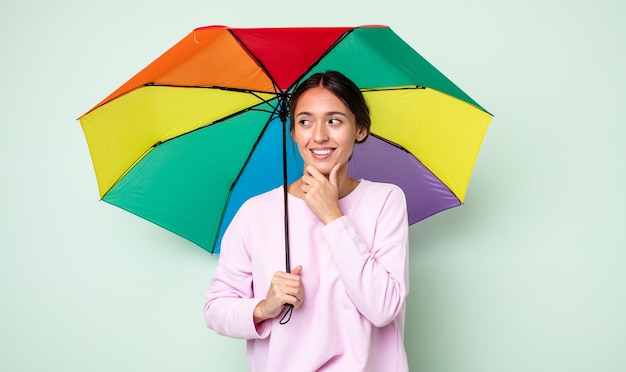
(257, 314)
(330, 217)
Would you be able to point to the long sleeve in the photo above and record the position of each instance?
(376, 276)
(230, 300)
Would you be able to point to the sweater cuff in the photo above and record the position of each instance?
(261, 329)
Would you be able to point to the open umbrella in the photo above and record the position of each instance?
(204, 127)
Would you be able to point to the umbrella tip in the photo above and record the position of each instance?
(373, 26)
(210, 27)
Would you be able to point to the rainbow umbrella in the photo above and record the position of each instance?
(205, 126)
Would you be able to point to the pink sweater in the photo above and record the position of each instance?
(355, 277)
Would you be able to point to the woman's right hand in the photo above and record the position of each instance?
(285, 289)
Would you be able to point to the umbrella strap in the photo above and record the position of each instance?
(287, 315)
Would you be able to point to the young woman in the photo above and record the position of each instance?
(349, 244)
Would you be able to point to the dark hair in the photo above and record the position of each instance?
(342, 87)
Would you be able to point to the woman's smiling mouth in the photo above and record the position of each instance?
(321, 152)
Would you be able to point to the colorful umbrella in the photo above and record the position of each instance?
(204, 127)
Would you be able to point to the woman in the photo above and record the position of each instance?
(349, 241)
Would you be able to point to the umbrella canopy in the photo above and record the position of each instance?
(204, 127)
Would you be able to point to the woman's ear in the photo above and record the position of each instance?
(361, 134)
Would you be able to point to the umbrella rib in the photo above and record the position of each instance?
(256, 143)
(239, 90)
(400, 147)
(153, 84)
(158, 143)
(123, 174)
(232, 185)
(385, 89)
(219, 121)
(258, 61)
(390, 142)
(219, 87)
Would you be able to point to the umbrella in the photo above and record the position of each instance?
(204, 127)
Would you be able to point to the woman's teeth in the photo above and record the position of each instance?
(322, 152)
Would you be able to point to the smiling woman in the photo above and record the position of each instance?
(351, 250)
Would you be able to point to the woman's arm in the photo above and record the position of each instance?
(376, 280)
(230, 300)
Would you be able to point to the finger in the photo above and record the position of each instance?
(314, 172)
(297, 270)
(297, 303)
(332, 177)
(292, 291)
(294, 296)
(283, 280)
(284, 274)
(293, 301)
(282, 296)
(305, 182)
(307, 178)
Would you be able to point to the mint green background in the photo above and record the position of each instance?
(529, 275)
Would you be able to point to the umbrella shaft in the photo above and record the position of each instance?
(283, 112)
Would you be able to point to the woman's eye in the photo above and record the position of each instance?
(304, 122)
(334, 121)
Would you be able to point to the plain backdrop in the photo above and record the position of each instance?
(528, 275)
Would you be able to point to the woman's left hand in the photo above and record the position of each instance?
(321, 194)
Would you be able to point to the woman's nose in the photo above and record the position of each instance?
(320, 134)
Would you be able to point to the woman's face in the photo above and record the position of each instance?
(325, 130)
